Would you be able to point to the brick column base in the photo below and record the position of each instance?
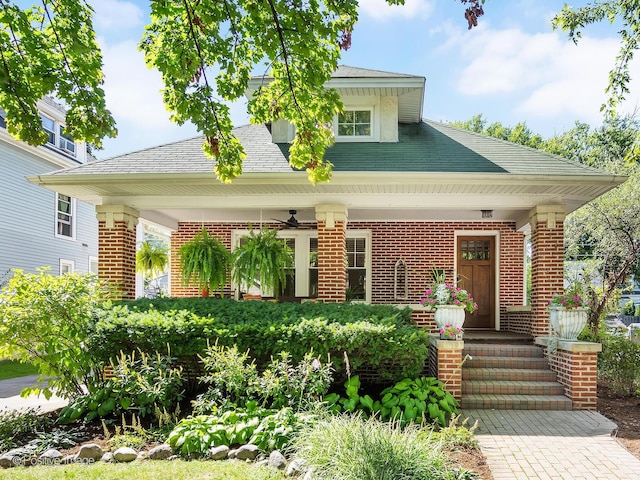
(576, 364)
(445, 363)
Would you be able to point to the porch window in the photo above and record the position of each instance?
(357, 268)
(65, 216)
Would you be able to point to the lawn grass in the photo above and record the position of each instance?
(12, 369)
(156, 470)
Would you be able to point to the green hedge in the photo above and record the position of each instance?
(373, 336)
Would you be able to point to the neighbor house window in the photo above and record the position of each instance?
(49, 126)
(65, 216)
(57, 137)
(66, 142)
(66, 266)
(355, 123)
(93, 265)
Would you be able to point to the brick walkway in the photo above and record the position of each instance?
(571, 445)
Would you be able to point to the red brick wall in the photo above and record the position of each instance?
(423, 245)
(332, 274)
(547, 263)
(117, 258)
(578, 372)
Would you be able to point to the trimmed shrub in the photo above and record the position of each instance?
(373, 336)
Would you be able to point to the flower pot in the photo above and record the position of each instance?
(449, 315)
(569, 322)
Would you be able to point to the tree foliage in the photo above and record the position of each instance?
(574, 21)
(519, 134)
(51, 49)
(46, 321)
(206, 52)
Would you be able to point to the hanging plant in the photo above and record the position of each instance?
(261, 259)
(205, 261)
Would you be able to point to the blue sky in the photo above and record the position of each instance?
(513, 67)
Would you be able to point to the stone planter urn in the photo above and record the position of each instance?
(568, 323)
(449, 315)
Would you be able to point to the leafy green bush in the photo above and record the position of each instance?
(46, 322)
(141, 384)
(619, 364)
(235, 382)
(17, 426)
(377, 337)
(268, 429)
(408, 401)
(350, 447)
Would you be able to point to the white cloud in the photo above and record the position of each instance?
(544, 75)
(381, 10)
(116, 15)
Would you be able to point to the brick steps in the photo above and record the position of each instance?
(510, 377)
(525, 387)
(516, 402)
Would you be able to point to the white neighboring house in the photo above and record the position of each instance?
(41, 228)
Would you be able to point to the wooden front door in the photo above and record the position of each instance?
(476, 274)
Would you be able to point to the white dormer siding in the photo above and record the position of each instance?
(383, 116)
(53, 122)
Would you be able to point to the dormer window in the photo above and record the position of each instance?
(358, 123)
(354, 123)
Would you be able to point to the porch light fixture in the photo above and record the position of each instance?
(487, 213)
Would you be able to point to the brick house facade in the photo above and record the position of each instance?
(408, 196)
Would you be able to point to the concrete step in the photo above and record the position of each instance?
(502, 350)
(513, 374)
(515, 402)
(507, 362)
(501, 387)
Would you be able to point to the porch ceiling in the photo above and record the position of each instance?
(368, 196)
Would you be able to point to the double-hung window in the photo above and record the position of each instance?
(49, 127)
(66, 142)
(56, 136)
(65, 216)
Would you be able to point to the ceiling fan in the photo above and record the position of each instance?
(292, 222)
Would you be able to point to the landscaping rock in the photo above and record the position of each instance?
(262, 463)
(247, 452)
(51, 453)
(142, 455)
(277, 460)
(89, 451)
(296, 468)
(125, 454)
(173, 457)
(13, 457)
(107, 457)
(161, 452)
(67, 459)
(232, 453)
(219, 453)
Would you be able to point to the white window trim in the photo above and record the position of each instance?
(67, 263)
(58, 139)
(366, 234)
(92, 261)
(375, 125)
(73, 220)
